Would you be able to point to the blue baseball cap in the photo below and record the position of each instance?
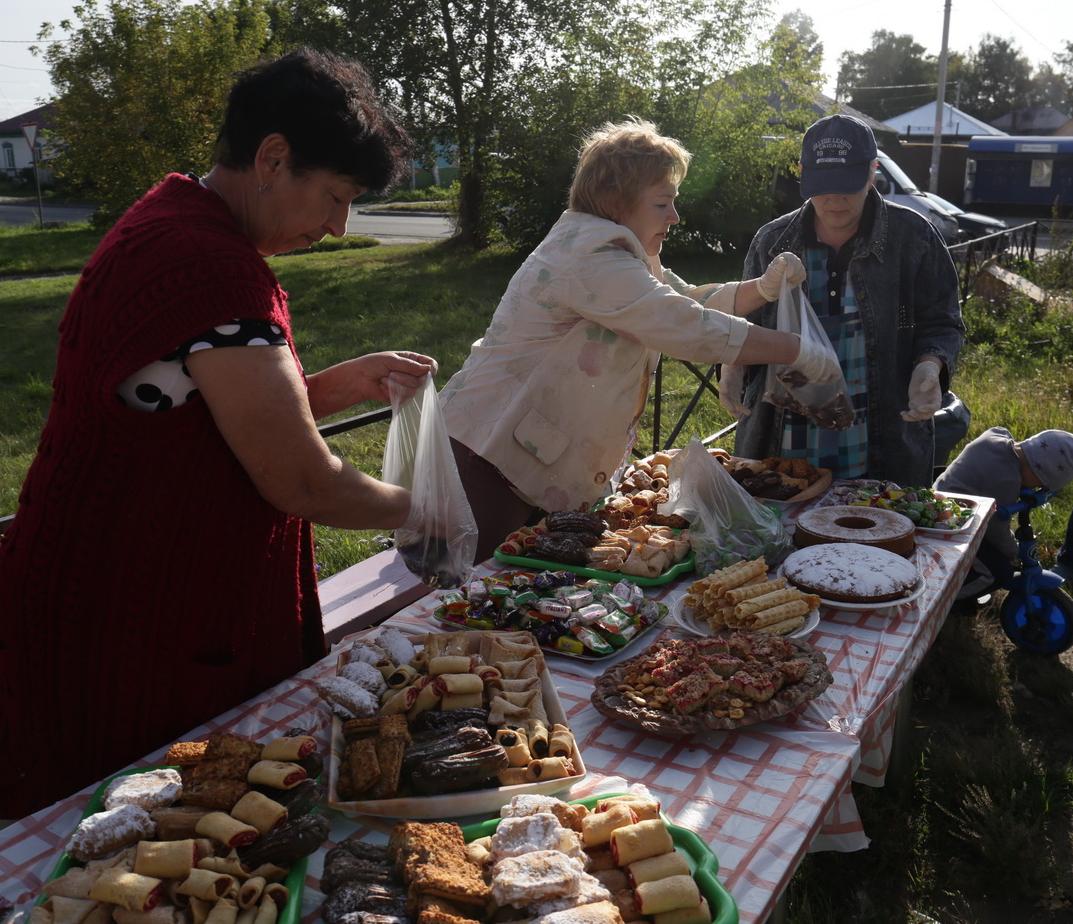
(836, 156)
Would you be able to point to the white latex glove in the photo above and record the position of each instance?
(815, 363)
(731, 387)
(785, 265)
(925, 393)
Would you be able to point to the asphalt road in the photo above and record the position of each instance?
(387, 228)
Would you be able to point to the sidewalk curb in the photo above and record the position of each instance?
(405, 212)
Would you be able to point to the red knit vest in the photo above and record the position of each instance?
(145, 585)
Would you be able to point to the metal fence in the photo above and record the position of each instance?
(1018, 243)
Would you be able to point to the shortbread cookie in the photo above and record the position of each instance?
(517, 836)
(535, 877)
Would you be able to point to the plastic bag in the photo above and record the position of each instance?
(826, 404)
(726, 525)
(439, 539)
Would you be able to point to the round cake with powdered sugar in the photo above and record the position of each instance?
(874, 526)
(850, 572)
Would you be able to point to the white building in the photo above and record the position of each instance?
(14, 151)
(919, 124)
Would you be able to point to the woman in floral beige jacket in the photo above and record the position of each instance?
(544, 410)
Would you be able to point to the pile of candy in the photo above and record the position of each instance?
(593, 618)
(922, 505)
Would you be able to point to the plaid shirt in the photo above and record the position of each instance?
(830, 291)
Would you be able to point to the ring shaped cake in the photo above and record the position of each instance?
(874, 526)
(849, 572)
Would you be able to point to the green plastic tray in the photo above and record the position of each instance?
(539, 564)
(295, 881)
(701, 860)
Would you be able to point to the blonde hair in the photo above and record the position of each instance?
(618, 161)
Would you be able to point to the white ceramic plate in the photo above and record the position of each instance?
(455, 804)
(685, 617)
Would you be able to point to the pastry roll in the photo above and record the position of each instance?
(267, 912)
(427, 698)
(72, 910)
(249, 894)
(561, 743)
(458, 683)
(549, 768)
(276, 774)
(597, 827)
(699, 915)
(513, 776)
(258, 810)
(667, 894)
(277, 892)
(516, 744)
(659, 867)
(206, 885)
(294, 748)
(269, 871)
(161, 914)
(488, 674)
(128, 890)
(386, 667)
(225, 911)
(539, 742)
(75, 883)
(199, 909)
(451, 664)
(229, 866)
(401, 677)
(640, 841)
(246, 915)
(643, 807)
(400, 702)
(227, 830)
(461, 701)
(165, 859)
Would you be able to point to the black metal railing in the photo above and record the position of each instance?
(969, 257)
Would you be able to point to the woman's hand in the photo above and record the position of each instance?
(785, 266)
(406, 370)
(366, 378)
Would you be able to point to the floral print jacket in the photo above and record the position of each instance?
(552, 392)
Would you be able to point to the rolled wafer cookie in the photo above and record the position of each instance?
(741, 594)
(778, 614)
(766, 602)
(752, 569)
(783, 628)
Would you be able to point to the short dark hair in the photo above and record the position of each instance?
(328, 110)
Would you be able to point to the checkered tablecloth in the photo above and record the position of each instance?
(761, 797)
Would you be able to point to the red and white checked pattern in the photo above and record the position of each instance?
(761, 797)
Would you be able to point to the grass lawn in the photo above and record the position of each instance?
(25, 250)
(982, 829)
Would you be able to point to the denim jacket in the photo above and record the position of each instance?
(907, 293)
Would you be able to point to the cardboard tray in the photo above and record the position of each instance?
(457, 804)
(702, 862)
(294, 881)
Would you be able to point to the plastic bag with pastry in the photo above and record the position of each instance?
(438, 542)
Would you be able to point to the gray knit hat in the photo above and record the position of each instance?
(1050, 454)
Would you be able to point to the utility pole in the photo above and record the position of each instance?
(940, 104)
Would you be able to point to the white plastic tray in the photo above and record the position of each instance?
(455, 804)
(689, 622)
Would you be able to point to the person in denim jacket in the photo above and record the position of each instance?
(885, 289)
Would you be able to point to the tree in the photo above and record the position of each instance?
(997, 79)
(797, 27)
(142, 86)
(886, 79)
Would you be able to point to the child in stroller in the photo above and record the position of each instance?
(996, 465)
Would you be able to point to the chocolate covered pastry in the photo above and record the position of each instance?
(460, 771)
(288, 843)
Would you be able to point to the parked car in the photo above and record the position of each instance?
(972, 224)
(894, 185)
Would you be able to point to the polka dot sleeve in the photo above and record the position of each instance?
(166, 383)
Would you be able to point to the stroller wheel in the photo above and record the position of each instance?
(1045, 628)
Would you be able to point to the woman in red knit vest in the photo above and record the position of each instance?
(159, 569)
